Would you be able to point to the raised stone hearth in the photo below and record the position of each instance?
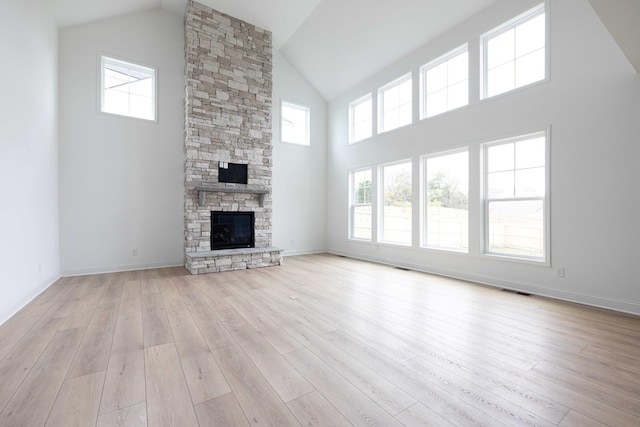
(232, 259)
(228, 120)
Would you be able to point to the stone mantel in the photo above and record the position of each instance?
(203, 189)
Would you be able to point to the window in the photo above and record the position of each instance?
(515, 188)
(445, 83)
(127, 89)
(396, 203)
(360, 119)
(294, 123)
(360, 218)
(394, 104)
(514, 53)
(446, 201)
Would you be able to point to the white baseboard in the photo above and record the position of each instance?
(13, 307)
(623, 306)
(303, 252)
(120, 268)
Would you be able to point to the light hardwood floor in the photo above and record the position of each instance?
(320, 340)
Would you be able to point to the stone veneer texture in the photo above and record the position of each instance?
(228, 119)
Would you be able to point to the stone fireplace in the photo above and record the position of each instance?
(228, 122)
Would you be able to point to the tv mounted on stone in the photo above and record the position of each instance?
(232, 173)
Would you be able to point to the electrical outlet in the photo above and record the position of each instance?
(134, 252)
(559, 271)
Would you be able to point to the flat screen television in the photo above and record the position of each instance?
(233, 173)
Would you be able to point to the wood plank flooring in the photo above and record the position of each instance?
(319, 341)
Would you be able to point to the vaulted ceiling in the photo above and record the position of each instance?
(622, 19)
(337, 43)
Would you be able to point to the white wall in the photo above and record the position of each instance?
(121, 179)
(29, 242)
(591, 103)
(299, 184)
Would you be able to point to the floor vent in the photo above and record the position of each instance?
(511, 291)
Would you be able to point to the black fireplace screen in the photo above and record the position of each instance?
(230, 230)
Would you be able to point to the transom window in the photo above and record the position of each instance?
(127, 89)
(394, 104)
(445, 83)
(294, 123)
(514, 53)
(516, 197)
(360, 119)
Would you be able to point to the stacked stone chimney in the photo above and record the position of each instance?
(228, 119)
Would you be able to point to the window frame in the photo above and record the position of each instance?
(307, 124)
(352, 124)
(424, 69)
(381, 113)
(353, 205)
(103, 60)
(424, 192)
(545, 199)
(381, 204)
(541, 8)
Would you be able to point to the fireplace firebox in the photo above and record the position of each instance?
(232, 230)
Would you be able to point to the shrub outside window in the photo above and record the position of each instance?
(361, 213)
(294, 123)
(514, 54)
(446, 201)
(445, 83)
(396, 203)
(360, 119)
(516, 182)
(394, 104)
(127, 89)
